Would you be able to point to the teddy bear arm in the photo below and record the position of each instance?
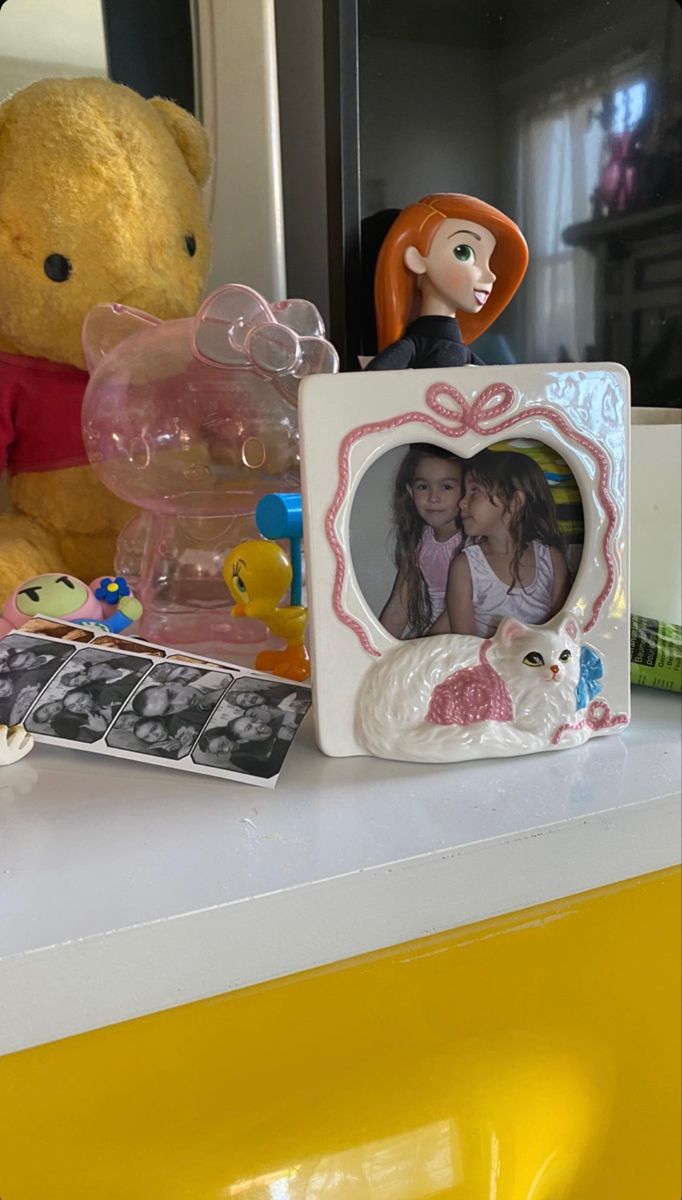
(70, 499)
(26, 549)
(75, 514)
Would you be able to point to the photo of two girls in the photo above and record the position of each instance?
(471, 540)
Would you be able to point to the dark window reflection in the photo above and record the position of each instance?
(569, 118)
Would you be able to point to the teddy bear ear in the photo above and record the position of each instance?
(190, 136)
(108, 324)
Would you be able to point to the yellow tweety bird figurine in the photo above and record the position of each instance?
(258, 574)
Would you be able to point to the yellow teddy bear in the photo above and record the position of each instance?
(100, 201)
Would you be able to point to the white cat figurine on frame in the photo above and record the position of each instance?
(517, 691)
(454, 696)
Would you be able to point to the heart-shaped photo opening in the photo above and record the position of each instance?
(446, 544)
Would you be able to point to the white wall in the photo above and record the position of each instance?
(59, 31)
(39, 38)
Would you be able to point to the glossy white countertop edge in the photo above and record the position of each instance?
(103, 900)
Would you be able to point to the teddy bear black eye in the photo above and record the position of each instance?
(191, 244)
(57, 268)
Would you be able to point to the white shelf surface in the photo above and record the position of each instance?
(126, 888)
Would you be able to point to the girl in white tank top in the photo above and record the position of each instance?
(513, 564)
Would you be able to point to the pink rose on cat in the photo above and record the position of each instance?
(471, 695)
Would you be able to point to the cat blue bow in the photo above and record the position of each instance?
(591, 675)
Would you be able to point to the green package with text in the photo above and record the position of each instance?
(656, 654)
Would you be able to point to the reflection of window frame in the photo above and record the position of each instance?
(629, 123)
(573, 334)
(548, 307)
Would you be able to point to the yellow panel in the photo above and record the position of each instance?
(531, 1057)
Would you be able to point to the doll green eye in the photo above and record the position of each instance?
(464, 254)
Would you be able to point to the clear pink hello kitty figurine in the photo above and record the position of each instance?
(193, 421)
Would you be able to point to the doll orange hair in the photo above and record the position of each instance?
(396, 287)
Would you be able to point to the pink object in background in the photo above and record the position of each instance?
(193, 421)
(618, 179)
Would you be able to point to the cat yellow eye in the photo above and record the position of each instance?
(534, 659)
(564, 656)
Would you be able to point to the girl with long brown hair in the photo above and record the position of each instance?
(513, 564)
(447, 268)
(426, 497)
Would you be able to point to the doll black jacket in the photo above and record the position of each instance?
(428, 342)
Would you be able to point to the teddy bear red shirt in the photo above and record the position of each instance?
(40, 414)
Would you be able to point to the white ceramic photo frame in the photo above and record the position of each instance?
(450, 697)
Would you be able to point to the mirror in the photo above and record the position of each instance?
(568, 118)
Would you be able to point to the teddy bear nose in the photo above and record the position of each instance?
(57, 268)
